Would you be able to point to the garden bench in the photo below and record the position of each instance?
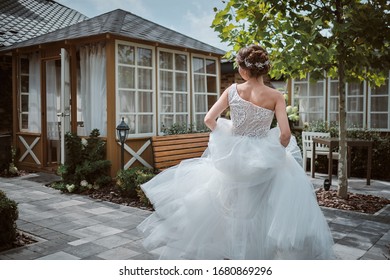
(170, 150)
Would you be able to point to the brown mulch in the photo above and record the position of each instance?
(354, 202)
(112, 194)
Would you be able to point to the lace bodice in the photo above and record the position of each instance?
(247, 118)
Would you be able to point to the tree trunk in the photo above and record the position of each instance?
(342, 166)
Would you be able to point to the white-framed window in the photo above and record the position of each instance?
(173, 89)
(24, 94)
(310, 98)
(355, 94)
(205, 87)
(379, 106)
(355, 103)
(333, 100)
(29, 105)
(135, 88)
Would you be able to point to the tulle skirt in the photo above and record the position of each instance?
(245, 198)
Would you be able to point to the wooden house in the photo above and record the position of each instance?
(19, 21)
(93, 73)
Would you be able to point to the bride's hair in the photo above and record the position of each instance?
(255, 59)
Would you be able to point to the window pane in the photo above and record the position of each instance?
(211, 66)
(334, 105)
(379, 121)
(126, 54)
(303, 105)
(145, 124)
(199, 83)
(334, 117)
(211, 84)
(317, 89)
(355, 120)
(199, 119)
(211, 99)
(127, 101)
(355, 88)
(182, 119)
(379, 103)
(145, 79)
(166, 60)
(145, 102)
(167, 102)
(314, 117)
(167, 121)
(181, 82)
(181, 62)
(355, 104)
(24, 66)
(300, 90)
(382, 90)
(24, 100)
(316, 104)
(181, 103)
(198, 65)
(24, 121)
(130, 120)
(200, 103)
(126, 77)
(144, 57)
(166, 80)
(334, 89)
(24, 83)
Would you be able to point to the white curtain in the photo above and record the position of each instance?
(52, 100)
(91, 93)
(34, 95)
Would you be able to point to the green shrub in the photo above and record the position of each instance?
(85, 165)
(8, 216)
(380, 150)
(321, 126)
(380, 154)
(177, 128)
(129, 182)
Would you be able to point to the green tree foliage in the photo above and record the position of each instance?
(308, 36)
(348, 40)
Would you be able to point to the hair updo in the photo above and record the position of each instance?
(255, 59)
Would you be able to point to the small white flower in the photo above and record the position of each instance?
(84, 142)
(70, 188)
(89, 186)
(84, 183)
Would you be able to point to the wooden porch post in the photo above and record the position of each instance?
(112, 146)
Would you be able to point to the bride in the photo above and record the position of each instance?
(247, 197)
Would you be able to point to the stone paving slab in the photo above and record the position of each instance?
(73, 227)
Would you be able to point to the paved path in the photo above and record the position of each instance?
(78, 227)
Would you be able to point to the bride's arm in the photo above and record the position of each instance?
(219, 106)
(281, 117)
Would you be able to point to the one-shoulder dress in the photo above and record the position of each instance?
(246, 197)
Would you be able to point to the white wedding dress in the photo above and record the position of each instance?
(247, 197)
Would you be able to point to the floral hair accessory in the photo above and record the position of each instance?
(257, 64)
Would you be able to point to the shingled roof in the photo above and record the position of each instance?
(123, 23)
(21, 20)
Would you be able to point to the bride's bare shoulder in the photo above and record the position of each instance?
(274, 92)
